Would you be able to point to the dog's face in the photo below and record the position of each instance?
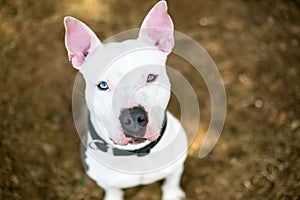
(127, 88)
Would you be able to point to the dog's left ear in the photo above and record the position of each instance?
(80, 40)
(157, 28)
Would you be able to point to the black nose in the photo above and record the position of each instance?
(134, 121)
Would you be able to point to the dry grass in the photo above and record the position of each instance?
(255, 45)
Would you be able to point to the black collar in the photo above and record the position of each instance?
(103, 146)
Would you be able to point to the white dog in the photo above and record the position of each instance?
(131, 138)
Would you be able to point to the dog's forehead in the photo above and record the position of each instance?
(119, 58)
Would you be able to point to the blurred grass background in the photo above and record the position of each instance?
(256, 47)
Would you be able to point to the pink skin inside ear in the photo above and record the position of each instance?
(78, 41)
(159, 27)
(158, 17)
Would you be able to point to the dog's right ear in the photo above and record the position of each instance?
(80, 40)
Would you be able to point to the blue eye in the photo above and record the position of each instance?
(102, 85)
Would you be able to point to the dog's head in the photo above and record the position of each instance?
(127, 88)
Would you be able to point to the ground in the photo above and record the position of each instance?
(255, 45)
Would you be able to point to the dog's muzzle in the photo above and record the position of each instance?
(134, 122)
(103, 146)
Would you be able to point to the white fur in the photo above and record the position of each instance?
(113, 173)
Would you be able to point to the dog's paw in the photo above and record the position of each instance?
(113, 194)
(173, 194)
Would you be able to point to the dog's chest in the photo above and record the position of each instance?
(130, 171)
(109, 175)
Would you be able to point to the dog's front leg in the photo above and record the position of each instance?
(112, 193)
(171, 188)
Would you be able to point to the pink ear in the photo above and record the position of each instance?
(80, 40)
(157, 28)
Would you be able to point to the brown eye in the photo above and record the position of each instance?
(151, 78)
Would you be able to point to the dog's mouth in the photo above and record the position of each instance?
(134, 140)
